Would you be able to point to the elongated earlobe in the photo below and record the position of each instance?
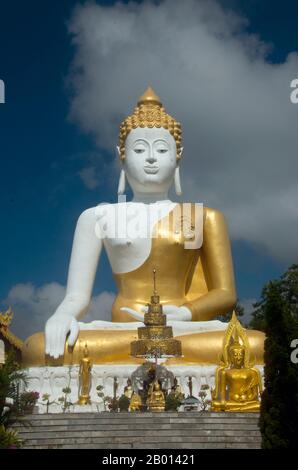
(177, 182)
(121, 184)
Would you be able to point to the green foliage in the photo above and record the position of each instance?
(9, 439)
(100, 392)
(204, 403)
(123, 403)
(64, 400)
(46, 399)
(107, 400)
(288, 284)
(11, 380)
(277, 312)
(28, 399)
(172, 402)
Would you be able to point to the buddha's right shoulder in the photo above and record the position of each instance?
(87, 216)
(92, 213)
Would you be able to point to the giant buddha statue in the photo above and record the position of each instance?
(187, 244)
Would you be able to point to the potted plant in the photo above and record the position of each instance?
(110, 403)
(47, 402)
(172, 402)
(204, 403)
(123, 403)
(64, 400)
(28, 401)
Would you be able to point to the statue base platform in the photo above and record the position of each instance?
(51, 380)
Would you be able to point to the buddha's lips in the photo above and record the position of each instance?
(151, 169)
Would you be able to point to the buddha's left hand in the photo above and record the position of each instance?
(173, 313)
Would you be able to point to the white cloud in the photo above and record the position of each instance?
(247, 304)
(239, 126)
(33, 306)
(89, 177)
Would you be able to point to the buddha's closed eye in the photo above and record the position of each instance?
(139, 150)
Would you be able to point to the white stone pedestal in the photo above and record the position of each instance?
(52, 380)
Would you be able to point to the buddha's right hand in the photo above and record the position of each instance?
(56, 330)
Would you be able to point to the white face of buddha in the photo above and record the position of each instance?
(150, 160)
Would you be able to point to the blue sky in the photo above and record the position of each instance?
(43, 152)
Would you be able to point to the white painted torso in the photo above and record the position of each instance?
(126, 229)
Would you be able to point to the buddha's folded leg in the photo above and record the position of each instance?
(217, 406)
(253, 406)
(113, 347)
(104, 346)
(206, 347)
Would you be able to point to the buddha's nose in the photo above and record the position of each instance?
(150, 157)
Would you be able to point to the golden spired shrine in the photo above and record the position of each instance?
(195, 285)
(155, 340)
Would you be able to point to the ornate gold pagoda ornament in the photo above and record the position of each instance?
(155, 338)
(5, 321)
(238, 384)
(149, 112)
(85, 378)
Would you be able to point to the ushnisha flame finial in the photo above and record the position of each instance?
(154, 282)
(149, 112)
(149, 97)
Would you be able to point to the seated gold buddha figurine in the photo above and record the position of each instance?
(128, 390)
(238, 384)
(135, 402)
(156, 399)
(187, 244)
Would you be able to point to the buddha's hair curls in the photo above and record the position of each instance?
(149, 113)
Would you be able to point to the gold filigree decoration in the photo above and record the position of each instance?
(5, 321)
(6, 317)
(236, 333)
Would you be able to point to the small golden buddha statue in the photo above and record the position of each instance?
(238, 384)
(176, 389)
(156, 400)
(128, 390)
(85, 378)
(135, 402)
(189, 383)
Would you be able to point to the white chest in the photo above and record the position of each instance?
(126, 230)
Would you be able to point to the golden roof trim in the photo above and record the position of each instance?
(13, 339)
(5, 321)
